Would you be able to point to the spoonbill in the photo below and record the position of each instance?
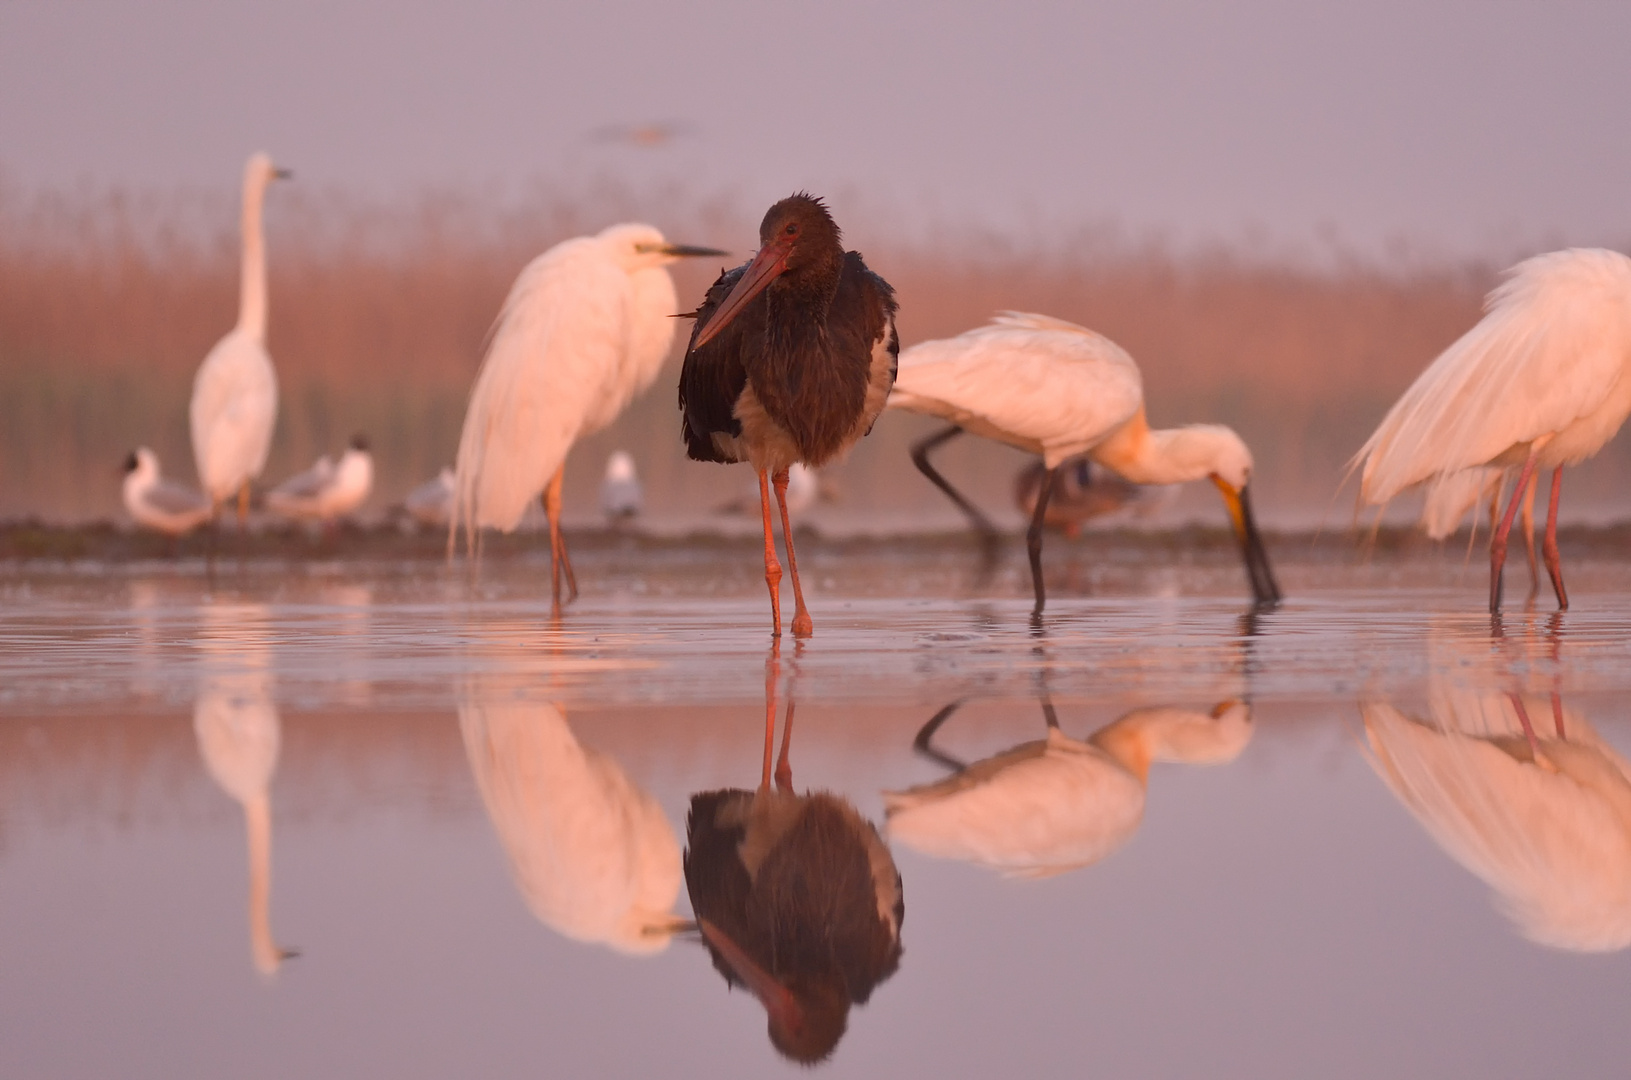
(1061, 391)
(329, 489)
(791, 360)
(1058, 803)
(234, 401)
(593, 854)
(797, 898)
(1540, 382)
(585, 328)
(159, 504)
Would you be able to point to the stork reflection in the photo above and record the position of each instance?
(1524, 793)
(796, 897)
(1057, 803)
(239, 737)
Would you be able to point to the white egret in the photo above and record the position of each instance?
(1059, 803)
(329, 489)
(234, 403)
(159, 504)
(1542, 381)
(594, 855)
(1061, 391)
(586, 326)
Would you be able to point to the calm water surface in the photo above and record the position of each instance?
(1314, 841)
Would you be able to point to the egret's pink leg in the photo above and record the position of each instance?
(1497, 546)
(1528, 729)
(1557, 714)
(773, 569)
(1529, 535)
(558, 559)
(1554, 565)
(803, 625)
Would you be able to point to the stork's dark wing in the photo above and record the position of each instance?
(712, 377)
(864, 309)
(715, 878)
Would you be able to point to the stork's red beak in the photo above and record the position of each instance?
(766, 267)
(778, 1001)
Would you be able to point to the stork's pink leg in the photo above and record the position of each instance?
(559, 561)
(803, 625)
(1554, 565)
(784, 771)
(1557, 714)
(1497, 545)
(773, 569)
(772, 674)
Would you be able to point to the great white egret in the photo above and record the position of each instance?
(791, 360)
(1542, 381)
(1061, 391)
(234, 403)
(159, 504)
(586, 326)
(329, 489)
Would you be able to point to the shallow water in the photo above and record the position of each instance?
(1345, 874)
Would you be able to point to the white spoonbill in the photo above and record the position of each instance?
(329, 489)
(234, 400)
(1541, 382)
(1059, 803)
(593, 854)
(587, 325)
(1061, 391)
(159, 504)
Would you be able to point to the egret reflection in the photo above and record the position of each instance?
(797, 899)
(1524, 793)
(238, 737)
(593, 855)
(1057, 803)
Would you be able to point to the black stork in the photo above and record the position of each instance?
(791, 360)
(797, 898)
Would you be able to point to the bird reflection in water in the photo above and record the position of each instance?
(1058, 803)
(1525, 794)
(796, 897)
(238, 738)
(593, 855)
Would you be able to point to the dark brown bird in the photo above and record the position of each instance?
(797, 898)
(791, 360)
(1078, 494)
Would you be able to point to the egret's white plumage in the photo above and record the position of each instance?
(234, 402)
(159, 504)
(1542, 381)
(586, 326)
(329, 489)
(1059, 390)
(1060, 803)
(620, 494)
(594, 855)
(239, 735)
(1553, 839)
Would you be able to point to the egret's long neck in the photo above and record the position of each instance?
(252, 296)
(1167, 456)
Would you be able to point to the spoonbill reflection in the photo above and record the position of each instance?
(593, 855)
(1527, 796)
(1061, 391)
(234, 402)
(238, 737)
(791, 361)
(1058, 803)
(587, 326)
(797, 898)
(1543, 381)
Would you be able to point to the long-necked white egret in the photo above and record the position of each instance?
(329, 489)
(791, 361)
(1061, 391)
(234, 403)
(1542, 381)
(586, 326)
(159, 504)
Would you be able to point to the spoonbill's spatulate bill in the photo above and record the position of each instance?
(791, 361)
(1543, 381)
(234, 403)
(1061, 391)
(585, 328)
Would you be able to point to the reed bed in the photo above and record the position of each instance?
(109, 300)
